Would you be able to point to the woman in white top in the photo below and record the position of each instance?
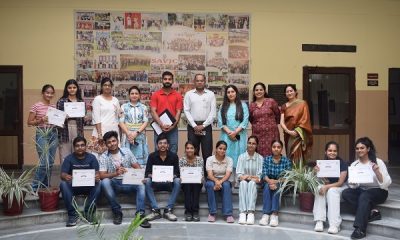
(365, 196)
(106, 110)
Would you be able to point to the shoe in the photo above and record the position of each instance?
(145, 223)
(211, 218)
(319, 226)
(250, 219)
(358, 234)
(117, 218)
(168, 214)
(155, 214)
(188, 218)
(274, 221)
(196, 217)
(374, 216)
(264, 220)
(242, 218)
(230, 219)
(72, 220)
(333, 230)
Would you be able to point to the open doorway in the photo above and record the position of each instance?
(394, 117)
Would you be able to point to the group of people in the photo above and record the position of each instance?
(247, 162)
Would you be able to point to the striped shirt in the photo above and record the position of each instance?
(249, 165)
(274, 170)
(40, 109)
(109, 164)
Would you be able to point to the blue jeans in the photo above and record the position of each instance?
(172, 187)
(46, 147)
(270, 199)
(112, 186)
(226, 193)
(172, 137)
(68, 192)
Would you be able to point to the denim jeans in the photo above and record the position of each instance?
(46, 147)
(270, 200)
(172, 137)
(172, 187)
(226, 193)
(68, 192)
(112, 186)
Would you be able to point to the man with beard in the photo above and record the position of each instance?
(79, 159)
(200, 110)
(167, 99)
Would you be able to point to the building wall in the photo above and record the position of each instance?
(40, 36)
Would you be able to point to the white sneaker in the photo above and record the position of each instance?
(250, 219)
(242, 218)
(274, 221)
(319, 226)
(264, 220)
(333, 229)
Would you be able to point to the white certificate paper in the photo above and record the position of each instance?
(191, 174)
(165, 119)
(83, 177)
(360, 174)
(133, 176)
(74, 109)
(56, 117)
(328, 168)
(162, 173)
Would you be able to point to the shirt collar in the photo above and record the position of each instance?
(120, 150)
(219, 162)
(134, 105)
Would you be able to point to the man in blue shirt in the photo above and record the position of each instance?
(79, 159)
(113, 164)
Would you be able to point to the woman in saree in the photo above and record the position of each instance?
(296, 124)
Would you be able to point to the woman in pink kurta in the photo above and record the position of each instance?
(264, 118)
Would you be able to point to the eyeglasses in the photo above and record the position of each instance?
(80, 145)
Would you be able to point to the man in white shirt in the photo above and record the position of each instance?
(200, 110)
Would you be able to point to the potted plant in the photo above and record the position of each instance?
(48, 196)
(304, 182)
(13, 191)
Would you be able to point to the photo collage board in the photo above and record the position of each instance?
(134, 48)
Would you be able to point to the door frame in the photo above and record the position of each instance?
(17, 69)
(351, 72)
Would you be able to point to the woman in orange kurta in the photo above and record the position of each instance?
(296, 124)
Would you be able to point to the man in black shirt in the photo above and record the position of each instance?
(162, 157)
(79, 159)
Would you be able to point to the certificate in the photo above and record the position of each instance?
(191, 174)
(56, 117)
(83, 177)
(74, 109)
(360, 174)
(166, 118)
(328, 168)
(163, 173)
(133, 176)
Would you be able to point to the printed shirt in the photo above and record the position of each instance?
(161, 101)
(71, 162)
(109, 164)
(219, 168)
(134, 115)
(41, 110)
(249, 165)
(273, 170)
(63, 133)
(197, 163)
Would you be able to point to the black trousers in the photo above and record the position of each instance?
(363, 201)
(206, 142)
(192, 197)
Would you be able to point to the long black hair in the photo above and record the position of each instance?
(226, 103)
(263, 86)
(78, 89)
(369, 144)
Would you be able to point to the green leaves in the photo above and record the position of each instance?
(15, 187)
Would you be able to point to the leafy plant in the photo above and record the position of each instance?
(301, 179)
(16, 187)
(45, 133)
(91, 225)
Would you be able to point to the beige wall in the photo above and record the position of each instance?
(40, 36)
